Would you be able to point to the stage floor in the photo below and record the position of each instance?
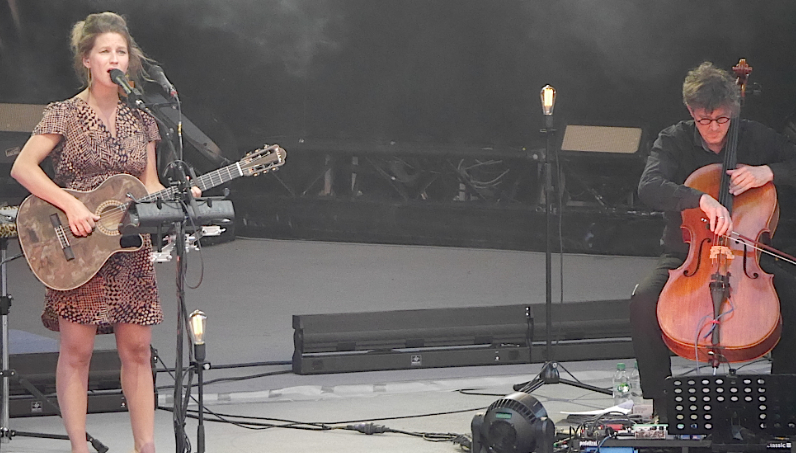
(250, 289)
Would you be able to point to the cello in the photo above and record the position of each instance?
(720, 306)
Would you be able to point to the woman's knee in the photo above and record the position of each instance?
(135, 352)
(74, 356)
(132, 342)
(76, 344)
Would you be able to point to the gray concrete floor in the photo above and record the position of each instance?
(251, 288)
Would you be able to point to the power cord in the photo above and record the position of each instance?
(363, 426)
(370, 428)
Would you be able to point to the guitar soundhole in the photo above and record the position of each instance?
(130, 241)
(111, 213)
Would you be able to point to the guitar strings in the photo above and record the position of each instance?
(203, 182)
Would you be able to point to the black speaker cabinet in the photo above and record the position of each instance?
(104, 383)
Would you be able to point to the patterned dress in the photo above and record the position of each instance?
(124, 290)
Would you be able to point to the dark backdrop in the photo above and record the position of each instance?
(441, 71)
(457, 74)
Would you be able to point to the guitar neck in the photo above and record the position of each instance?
(204, 182)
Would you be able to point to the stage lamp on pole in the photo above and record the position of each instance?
(548, 98)
(197, 323)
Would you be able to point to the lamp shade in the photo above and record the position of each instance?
(197, 322)
(548, 98)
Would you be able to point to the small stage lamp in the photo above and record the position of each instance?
(548, 98)
(197, 322)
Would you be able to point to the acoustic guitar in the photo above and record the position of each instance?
(62, 261)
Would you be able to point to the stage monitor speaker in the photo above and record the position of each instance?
(601, 139)
(458, 336)
(404, 339)
(104, 383)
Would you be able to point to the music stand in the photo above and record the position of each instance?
(6, 433)
(732, 408)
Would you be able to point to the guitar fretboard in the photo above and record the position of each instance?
(204, 182)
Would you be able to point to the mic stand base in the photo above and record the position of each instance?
(550, 375)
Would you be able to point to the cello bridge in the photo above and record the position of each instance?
(718, 250)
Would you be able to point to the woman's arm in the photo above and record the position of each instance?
(28, 172)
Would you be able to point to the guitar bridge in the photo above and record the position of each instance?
(62, 239)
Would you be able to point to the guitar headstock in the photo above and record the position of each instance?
(262, 160)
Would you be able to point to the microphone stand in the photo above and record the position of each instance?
(181, 398)
(151, 218)
(549, 373)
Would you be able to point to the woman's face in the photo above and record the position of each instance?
(109, 52)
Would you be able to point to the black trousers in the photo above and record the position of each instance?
(654, 362)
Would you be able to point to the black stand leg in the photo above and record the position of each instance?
(199, 364)
(35, 392)
(182, 391)
(196, 358)
(180, 398)
(549, 373)
(6, 433)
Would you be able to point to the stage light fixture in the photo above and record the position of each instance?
(548, 98)
(197, 322)
(516, 423)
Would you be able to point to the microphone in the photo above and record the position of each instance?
(160, 77)
(117, 76)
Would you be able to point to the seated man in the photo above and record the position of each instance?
(713, 101)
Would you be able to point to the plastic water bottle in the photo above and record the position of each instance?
(635, 386)
(621, 385)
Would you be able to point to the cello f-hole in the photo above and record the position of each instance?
(687, 273)
(754, 275)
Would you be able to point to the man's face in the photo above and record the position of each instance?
(712, 126)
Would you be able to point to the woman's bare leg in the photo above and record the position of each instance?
(132, 342)
(71, 379)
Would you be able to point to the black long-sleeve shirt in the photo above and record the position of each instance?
(678, 151)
